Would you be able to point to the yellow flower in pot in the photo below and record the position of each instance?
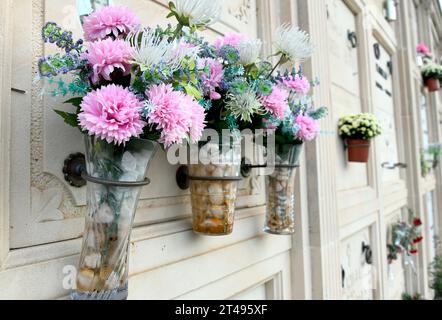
(357, 131)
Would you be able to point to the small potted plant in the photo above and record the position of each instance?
(358, 130)
(432, 75)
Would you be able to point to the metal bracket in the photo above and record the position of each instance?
(74, 171)
(74, 166)
(183, 178)
(246, 168)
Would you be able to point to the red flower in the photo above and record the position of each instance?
(417, 222)
(418, 240)
(413, 251)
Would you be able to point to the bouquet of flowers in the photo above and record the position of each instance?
(243, 90)
(405, 236)
(133, 87)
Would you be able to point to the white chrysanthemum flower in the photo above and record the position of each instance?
(249, 51)
(186, 50)
(149, 50)
(199, 12)
(294, 43)
(244, 105)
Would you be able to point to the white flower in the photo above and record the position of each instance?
(199, 12)
(244, 105)
(294, 43)
(249, 51)
(149, 50)
(186, 50)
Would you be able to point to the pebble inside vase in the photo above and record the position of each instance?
(103, 267)
(213, 201)
(280, 216)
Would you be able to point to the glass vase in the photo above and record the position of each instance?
(280, 216)
(103, 267)
(213, 187)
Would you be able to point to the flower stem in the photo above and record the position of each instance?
(277, 65)
(178, 31)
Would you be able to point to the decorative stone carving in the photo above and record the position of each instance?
(46, 203)
(241, 10)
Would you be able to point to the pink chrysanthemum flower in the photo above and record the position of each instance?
(175, 114)
(276, 103)
(107, 55)
(111, 20)
(198, 119)
(308, 128)
(301, 85)
(112, 113)
(230, 38)
(213, 80)
(423, 49)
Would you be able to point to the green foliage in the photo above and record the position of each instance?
(436, 274)
(319, 113)
(430, 159)
(363, 126)
(409, 297)
(432, 70)
(425, 167)
(69, 118)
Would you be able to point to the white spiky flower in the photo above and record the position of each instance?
(199, 12)
(150, 49)
(293, 43)
(244, 105)
(249, 51)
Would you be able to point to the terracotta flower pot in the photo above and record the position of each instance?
(358, 150)
(433, 84)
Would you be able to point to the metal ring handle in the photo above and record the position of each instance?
(353, 38)
(135, 184)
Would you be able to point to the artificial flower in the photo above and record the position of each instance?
(418, 240)
(276, 103)
(232, 39)
(110, 21)
(293, 43)
(244, 105)
(299, 84)
(151, 49)
(198, 12)
(308, 128)
(175, 114)
(423, 49)
(213, 79)
(249, 51)
(417, 222)
(105, 56)
(112, 113)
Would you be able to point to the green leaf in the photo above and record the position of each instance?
(170, 15)
(192, 91)
(172, 5)
(76, 102)
(69, 118)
